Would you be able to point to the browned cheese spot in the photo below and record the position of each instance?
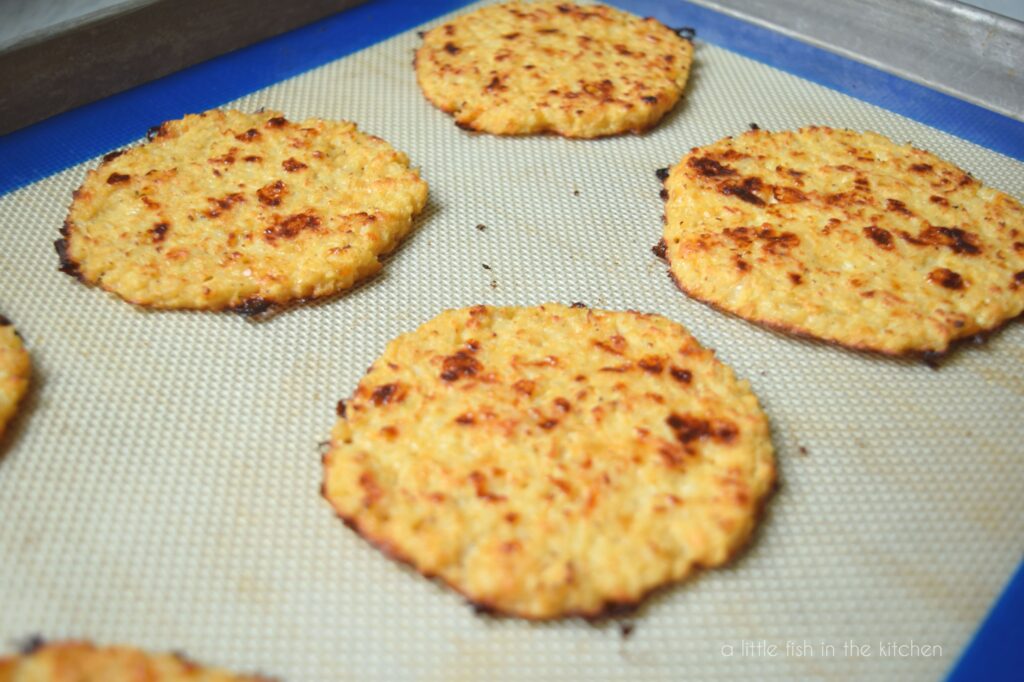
(742, 236)
(745, 191)
(651, 364)
(107, 158)
(741, 265)
(159, 232)
(897, 206)
(371, 490)
(796, 278)
(959, 241)
(496, 85)
(388, 393)
(709, 168)
(461, 364)
(479, 481)
(1018, 279)
(118, 178)
(936, 199)
(277, 122)
(225, 160)
(272, 193)
(778, 243)
(253, 159)
(340, 408)
(451, 48)
(788, 195)
(921, 168)
(222, 204)
(248, 136)
(525, 386)
(466, 419)
(683, 376)
(291, 165)
(688, 429)
(616, 345)
(880, 236)
(289, 227)
(946, 278)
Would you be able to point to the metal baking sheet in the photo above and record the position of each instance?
(161, 486)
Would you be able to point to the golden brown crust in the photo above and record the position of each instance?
(15, 372)
(517, 454)
(581, 71)
(77, 661)
(226, 210)
(844, 237)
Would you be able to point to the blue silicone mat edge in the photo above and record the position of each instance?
(35, 152)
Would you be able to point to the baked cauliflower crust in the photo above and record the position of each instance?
(551, 461)
(580, 71)
(84, 662)
(846, 237)
(231, 210)
(15, 372)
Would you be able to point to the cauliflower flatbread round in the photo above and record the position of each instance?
(574, 70)
(846, 237)
(15, 370)
(231, 210)
(551, 461)
(84, 662)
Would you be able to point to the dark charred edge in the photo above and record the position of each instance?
(661, 250)
(661, 173)
(626, 629)
(30, 644)
(280, 307)
(67, 264)
(754, 126)
(421, 33)
(4, 322)
(578, 304)
(107, 158)
(251, 307)
(932, 358)
(156, 131)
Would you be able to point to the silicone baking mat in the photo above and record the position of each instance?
(161, 486)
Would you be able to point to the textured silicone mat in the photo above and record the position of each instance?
(162, 484)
